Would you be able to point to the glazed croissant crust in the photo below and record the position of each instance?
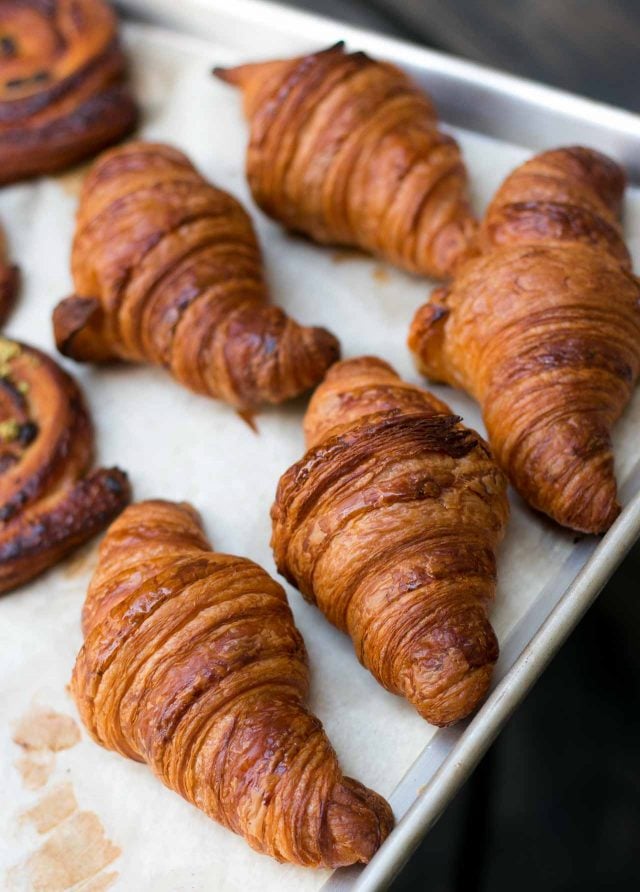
(389, 525)
(348, 150)
(543, 329)
(50, 500)
(192, 663)
(63, 95)
(167, 270)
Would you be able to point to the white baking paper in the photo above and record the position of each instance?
(180, 446)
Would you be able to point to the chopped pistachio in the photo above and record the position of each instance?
(23, 386)
(9, 430)
(8, 350)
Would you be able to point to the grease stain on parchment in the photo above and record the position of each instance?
(83, 561)
(71, 181)
(99, 883)
(45, 729)
(52, 808)
(74, 852)
(35, 769)
(42, 733)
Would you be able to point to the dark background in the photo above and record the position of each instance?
(555, 805)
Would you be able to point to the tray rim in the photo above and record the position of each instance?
(608, 127)
(466, 743)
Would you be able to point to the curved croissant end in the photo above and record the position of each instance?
(167, 270)
(348, 151)
(389, 524)
(9, 282)
(50, 502)
(544, 330)
(62, 91)
(192, 663)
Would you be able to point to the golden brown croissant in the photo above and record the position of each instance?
(192, 663)
(543, 330)
(389, 524)
(63, 95)
(9, 280)
(348, 151)
(167, 270)
(50, 502)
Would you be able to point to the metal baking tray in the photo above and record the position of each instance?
(532, 116)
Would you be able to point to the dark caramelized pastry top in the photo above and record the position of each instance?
(63, 94)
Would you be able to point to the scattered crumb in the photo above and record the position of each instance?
(381, 274)
(44, 729)
(52, 809)
(73, 853)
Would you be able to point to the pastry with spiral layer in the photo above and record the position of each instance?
(192, 663)
(347, 150)
(63, 90)
(167, 270)
(50, 499)
(389, 524)
(9, 281)
(543, 329)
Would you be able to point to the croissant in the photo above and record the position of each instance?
(192, 663)
(543, 329)
(167, 270)
(347, 150)
(389, 525)
(9, 280)
(50, 501)
(63, 95)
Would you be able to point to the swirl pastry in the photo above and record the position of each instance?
(543, 329)
(192, 663)
(50, 500)
(389, 525)
(167, 270)
(9, 280)
(348, 150)
(63, 95)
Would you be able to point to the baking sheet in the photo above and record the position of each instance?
(178, 445)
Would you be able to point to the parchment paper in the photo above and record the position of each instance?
(127, 830)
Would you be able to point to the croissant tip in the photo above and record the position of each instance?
(338, 46)
(225, 74)
(359, 821)
(237, 74)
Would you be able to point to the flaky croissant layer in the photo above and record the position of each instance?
(348, 150)
(167, 270)
(192, 663)
(389, 524)
(543, 329)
